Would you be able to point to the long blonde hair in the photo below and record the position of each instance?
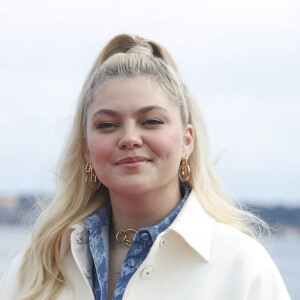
(123, 56)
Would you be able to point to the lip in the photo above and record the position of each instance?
(132, 160)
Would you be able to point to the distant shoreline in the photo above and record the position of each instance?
(24, 210)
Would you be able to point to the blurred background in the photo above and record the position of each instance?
(241, 60)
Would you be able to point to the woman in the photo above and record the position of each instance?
(139, 212)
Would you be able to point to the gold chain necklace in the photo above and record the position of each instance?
(122, 235)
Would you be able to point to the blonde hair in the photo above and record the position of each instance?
(124, 56)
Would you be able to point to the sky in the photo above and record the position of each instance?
(241, 60)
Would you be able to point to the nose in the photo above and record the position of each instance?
(130, 138)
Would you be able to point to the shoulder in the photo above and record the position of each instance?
(238, 246)
(225, 235)
(227, 239)
(8, 281)
(247, 260)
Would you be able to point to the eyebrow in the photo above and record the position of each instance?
(141, 111)
(146, 109)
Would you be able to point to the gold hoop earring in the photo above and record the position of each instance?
(184, 171)
(92, 182)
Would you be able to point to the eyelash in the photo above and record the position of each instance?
(106, 125)
(153, 122)
(149, 122)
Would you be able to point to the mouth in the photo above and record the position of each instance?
(133, 161)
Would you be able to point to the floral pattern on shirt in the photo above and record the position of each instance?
(99, 224)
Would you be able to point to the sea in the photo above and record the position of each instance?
(285, 251)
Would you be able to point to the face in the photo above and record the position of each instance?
(135, 137)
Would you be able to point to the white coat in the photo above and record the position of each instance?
(195, 258)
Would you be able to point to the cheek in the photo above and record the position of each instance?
(169, 146)
(99, 150)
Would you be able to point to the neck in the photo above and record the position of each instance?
(142, 210)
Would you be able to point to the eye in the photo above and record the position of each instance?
(106, 125)
(153, 122)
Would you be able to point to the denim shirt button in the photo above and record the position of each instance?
(131, 262)
(145, 236)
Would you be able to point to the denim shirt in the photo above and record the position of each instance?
(99, 224)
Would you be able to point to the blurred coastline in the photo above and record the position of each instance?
(24, 209)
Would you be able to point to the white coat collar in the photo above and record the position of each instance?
(195, 226)
(68, 236)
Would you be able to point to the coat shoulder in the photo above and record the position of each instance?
(230, 239)
(248, 261)
(8, 289)
(230, 242)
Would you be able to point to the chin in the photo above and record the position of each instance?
(132, 188)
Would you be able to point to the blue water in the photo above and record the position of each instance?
(285, 252)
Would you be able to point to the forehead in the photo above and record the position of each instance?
(121, 93)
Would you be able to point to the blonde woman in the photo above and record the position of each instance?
(139, 212)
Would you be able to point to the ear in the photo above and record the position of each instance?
(86, 151)
(188, 142)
